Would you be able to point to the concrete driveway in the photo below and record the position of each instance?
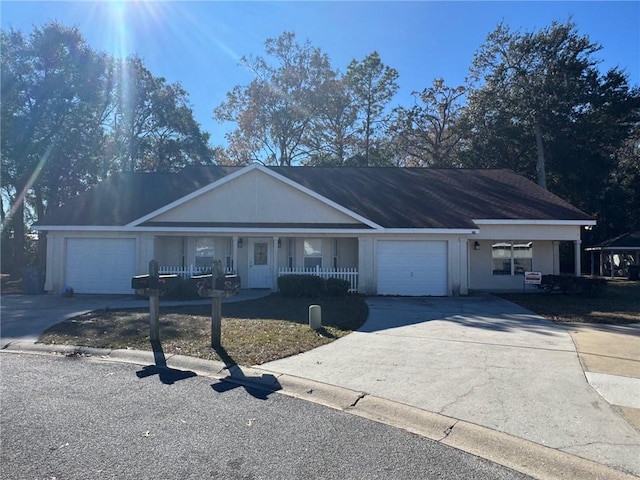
(479, 359)
(25, 317)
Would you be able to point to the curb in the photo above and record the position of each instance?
(524, 456)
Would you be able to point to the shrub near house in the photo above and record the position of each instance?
(312, 286)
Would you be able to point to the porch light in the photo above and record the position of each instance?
(279, 243)
(240, 242)
(476, 245)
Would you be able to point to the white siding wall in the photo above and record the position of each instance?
(545, 240)
(255, 197)
(366, 265)
(348, 253)
(146, 252)
(358, 252)
(545, 260)
(169, 251)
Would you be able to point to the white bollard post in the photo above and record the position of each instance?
(315, 317)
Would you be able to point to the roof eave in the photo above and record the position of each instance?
(485, 221)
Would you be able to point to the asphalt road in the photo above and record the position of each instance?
(77, 418)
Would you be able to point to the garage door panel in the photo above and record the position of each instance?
(100, 265)
(412, 268)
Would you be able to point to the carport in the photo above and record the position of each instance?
(616, 255)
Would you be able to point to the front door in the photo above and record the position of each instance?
(260, 270)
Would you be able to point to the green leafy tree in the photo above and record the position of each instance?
(426, 134)
(274, 113)
(333, 134)
(70, 116)
(373, 85)
(626, 178)
(541, 107)
(152, 127)
(53, 105)
(531, 81)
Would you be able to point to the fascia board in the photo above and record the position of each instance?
(257, 231)
(429, 231)
(534, 222)
(264, 232)
(82, 228)
(283, 231)
(610, 249)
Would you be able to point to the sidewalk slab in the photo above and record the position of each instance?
(617, 390)
(610, 349)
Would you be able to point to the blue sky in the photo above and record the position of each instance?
(198, 43)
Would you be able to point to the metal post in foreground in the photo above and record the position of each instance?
(154, 302)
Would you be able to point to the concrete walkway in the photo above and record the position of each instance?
(482, 360)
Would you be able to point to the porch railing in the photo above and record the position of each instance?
(187, 271)
(348, 274)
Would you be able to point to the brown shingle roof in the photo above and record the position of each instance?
(390, 197)
(433, 198)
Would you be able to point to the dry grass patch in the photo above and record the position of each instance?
(253, 332)
(619, 304)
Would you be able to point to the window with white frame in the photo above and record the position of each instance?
(312, 253)
(511, 258)
(205, 251)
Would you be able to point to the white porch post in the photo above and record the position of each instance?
(365, 265)
(577, 257)
(464, 266)
(274, 283)
(234, 254)
(556, 257)
(611, 266)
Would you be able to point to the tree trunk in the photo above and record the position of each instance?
(540, 165)
(2, 212)
(18, 238)
(41, 255)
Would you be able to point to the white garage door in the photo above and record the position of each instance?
(100, 265)
(412, 268)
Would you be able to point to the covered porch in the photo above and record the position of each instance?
(260, 260)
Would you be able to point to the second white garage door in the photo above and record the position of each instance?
(100, 265)
(412, 268)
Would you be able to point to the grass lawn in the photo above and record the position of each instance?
(253, 332)
(619, 304)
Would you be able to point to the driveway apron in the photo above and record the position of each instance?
(480, 359)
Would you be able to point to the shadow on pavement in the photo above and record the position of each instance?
(259, 387)
(484, 312)
(167, 375)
